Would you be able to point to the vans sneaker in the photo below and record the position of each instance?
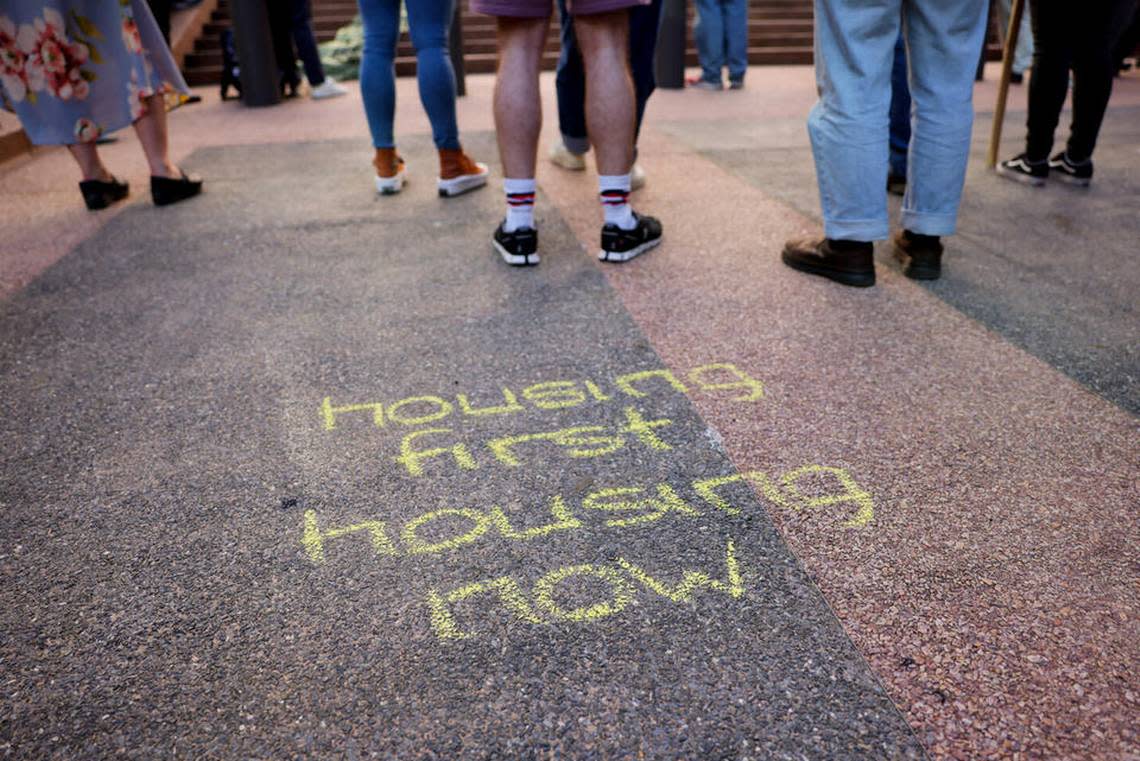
(390, 171)
(518, 248)
(458, 173)
(1021, 169)
(620, 245)
(1072, 173)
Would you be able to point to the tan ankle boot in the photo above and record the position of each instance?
(458, 173)
(390, 176)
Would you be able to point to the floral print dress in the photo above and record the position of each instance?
(73, 70)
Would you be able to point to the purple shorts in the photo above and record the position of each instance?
(542, 8)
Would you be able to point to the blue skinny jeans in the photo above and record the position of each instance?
(429, 22)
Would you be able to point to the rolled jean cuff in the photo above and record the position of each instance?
(576, 145)
(926, 223)
(856, 229)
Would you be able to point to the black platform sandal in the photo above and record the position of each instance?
(167, 190)
(98, 194)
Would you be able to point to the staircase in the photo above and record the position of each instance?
(779, 32)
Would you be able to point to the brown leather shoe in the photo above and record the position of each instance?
(855, 266)
(458, 173)
(390, 174)
(921, 255)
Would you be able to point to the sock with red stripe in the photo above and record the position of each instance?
(520, 204)
(613, 190)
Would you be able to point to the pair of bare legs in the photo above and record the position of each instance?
(151, 131)
(610, 105)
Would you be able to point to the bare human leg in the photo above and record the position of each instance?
(518, 106)
(90, 162)
(152, 133)
(611, 110)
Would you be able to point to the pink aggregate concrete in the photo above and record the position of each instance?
(995, 592)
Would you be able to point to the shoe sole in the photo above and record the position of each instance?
(1024, 179)
(390, 186)
(854, 279)
(625, 256)
(1068, 179)
(464, 183)
(515, 260)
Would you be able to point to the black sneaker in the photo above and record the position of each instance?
(1021, 169)
(1074, 174)
(518, 248)
(620, 245)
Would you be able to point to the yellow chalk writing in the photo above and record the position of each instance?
(511, 404)
(691, 580)
(706, 488)
(313, 539)
(554, 395)
(643, 429)
(743, 380)
(443, 409)
(329, 412)
(853, 493)
(510, 595)
(563, 520)
(412, 459)
(415, 545)
(611, 499)
(625, 382)
(622, 593)
(597, 392)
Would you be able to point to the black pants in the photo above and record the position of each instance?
(1080, 37)
(161, 11)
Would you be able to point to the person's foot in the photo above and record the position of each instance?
(620, 245)
(99, 194)
(736, 84)
(330, 88)
(1074, 173)
(705, 84)
(921, 255)
(390, 171)
(519, 248)
(846, 262)
(565, 158)
(167, 190)
(1016, 77)
(1021, 169)
(637, 178)
(458, 173)
(896, 184)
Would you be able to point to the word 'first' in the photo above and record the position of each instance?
(550, 395)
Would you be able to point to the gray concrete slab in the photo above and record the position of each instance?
(201, 558)
(1051, 270)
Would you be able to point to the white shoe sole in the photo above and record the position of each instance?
(515, 260)
(390, 186)
(463, 183)
(1024, 179)
(625, 256)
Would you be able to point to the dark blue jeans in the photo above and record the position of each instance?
(900, 111)
(571, 76)
(306, 45)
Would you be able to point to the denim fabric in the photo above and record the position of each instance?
(1023, 53)
(900, 110)
(429, 22)
(721, 33)
(849, 126)
(570, 79)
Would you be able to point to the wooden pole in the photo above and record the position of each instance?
(1017, 9)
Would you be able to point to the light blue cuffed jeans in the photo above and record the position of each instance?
(854, 46)
(429, 22)
(721, 34)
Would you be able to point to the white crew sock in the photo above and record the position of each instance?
(613, 191)
(520, 204)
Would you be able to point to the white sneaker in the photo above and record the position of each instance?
(327, 89)
(561, 155)
(636, 177)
